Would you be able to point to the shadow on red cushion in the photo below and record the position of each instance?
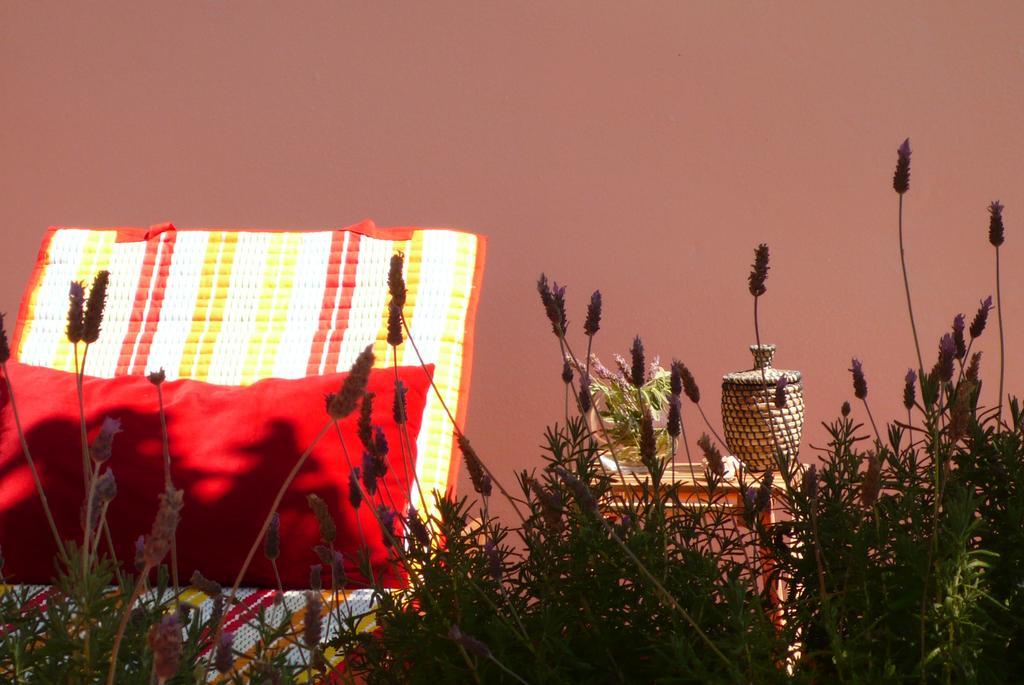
(231, 448)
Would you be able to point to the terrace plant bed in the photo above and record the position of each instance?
(898, 556)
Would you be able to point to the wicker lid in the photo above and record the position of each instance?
(762, 360)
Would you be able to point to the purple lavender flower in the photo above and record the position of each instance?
(104, 442)
(477, 475)
(398, 404)
(544, 290)
(551, 506)
(494, 564)
(601, 371)
(343, 403)
(380, 450)
(553, 299)
(566, 372)
(973, 369)
(312, 619)
(995, 224)
(369, 474)
(165, 641)
(759, 271)
(872, 482)
(396, 282)
(981, 318)
(860, 384)
(324, 520)
(97, 301)
(716, 463)
(387, 517)
(166, 522)
(780, 392)
(394, 324)
(674, 423)
(947, 353)
(355, 495)
(648, 441)
(204, 584)
(578, 487)
(365, 423)
(332, 559)
(106, 487)
(909, 397)
(750, 499)
(76, 312)
(901, 179)
(272, 542)
(845, 409)
(316, 572)
(414, 524)
(690, 386)
(675, 379)
(764, 493)
(809, 485)
(593, 321)
(585, 399)
(637, 366)
(224, 657)
(958, 336)
(469, 643)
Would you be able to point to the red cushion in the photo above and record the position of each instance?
(231, 448)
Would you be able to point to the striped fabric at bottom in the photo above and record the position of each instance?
(256, 612)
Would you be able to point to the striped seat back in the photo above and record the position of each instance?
(234, 306)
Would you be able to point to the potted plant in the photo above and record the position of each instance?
(617, 409)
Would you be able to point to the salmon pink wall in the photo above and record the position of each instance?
(640, 148)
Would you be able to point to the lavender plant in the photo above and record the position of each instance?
(897, 557)
(899, 554)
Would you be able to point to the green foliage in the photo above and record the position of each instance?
(559, 598)
(620, 406)
(893, 560)
(923, 583)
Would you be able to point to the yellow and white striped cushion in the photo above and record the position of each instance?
(234, 306)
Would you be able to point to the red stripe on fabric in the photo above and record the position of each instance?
(260, 599)
(242, 612)
(38, 600)
(149, 326)
(333, 282)
(347, 285)
(246, 610)
(135, 320)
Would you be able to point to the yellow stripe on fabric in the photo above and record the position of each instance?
(213, 283)
(266, 302)
(47, 312)
(239, 317)
(96, 252)
(407, 356)
(435, 340)
(191, 595)
(281, 301)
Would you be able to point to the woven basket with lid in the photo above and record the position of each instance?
(751, 420)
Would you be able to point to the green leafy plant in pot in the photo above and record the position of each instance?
(617, 409)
